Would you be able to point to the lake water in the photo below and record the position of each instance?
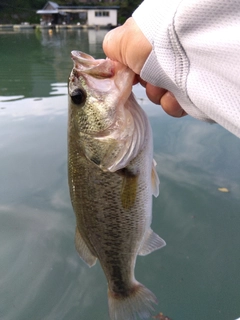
(195, 277)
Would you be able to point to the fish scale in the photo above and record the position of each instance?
(112, 178)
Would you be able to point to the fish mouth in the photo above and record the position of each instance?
(97, 68)
(83, 59)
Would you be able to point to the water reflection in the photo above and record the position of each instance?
(45, 277)
(41, 276)
(31, 61)
(11, 98)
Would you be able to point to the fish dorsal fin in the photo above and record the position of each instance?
(83, 250)
(155, 180)
(151, 242)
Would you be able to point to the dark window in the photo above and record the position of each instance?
(101, 13)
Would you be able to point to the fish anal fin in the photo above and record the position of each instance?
(155, 180)
(83, 251)
(152, 242)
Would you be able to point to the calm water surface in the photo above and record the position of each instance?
(195, 277)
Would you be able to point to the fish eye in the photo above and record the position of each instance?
(78, 96)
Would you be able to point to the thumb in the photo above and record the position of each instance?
(128, 45)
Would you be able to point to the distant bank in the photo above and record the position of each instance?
(25, 26)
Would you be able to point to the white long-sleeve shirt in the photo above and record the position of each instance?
(195, 55)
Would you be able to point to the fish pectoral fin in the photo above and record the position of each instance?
(151, 242)
(129, 187)
(155, 180)
(83, 251)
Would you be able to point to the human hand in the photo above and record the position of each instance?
(128, 45)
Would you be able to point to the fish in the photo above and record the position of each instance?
(112, 177)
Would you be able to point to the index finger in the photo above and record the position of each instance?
(128, 45)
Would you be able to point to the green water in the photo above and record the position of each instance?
(195, 277)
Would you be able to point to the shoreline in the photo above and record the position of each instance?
(26, 26)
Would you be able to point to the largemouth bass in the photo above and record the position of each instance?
(112, 178)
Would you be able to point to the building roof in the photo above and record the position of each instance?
(88, 7)
(47, 11)
(52, 4)
(53, 8)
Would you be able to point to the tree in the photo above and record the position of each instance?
(17, 11)
(126, 9)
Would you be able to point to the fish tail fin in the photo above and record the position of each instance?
(138, 303)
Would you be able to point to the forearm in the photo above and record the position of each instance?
(195, 55)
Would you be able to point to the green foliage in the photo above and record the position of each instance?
(17, 11)
(37, 4)
(126, 9)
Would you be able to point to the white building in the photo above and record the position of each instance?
(92, 16)
(102, 17)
